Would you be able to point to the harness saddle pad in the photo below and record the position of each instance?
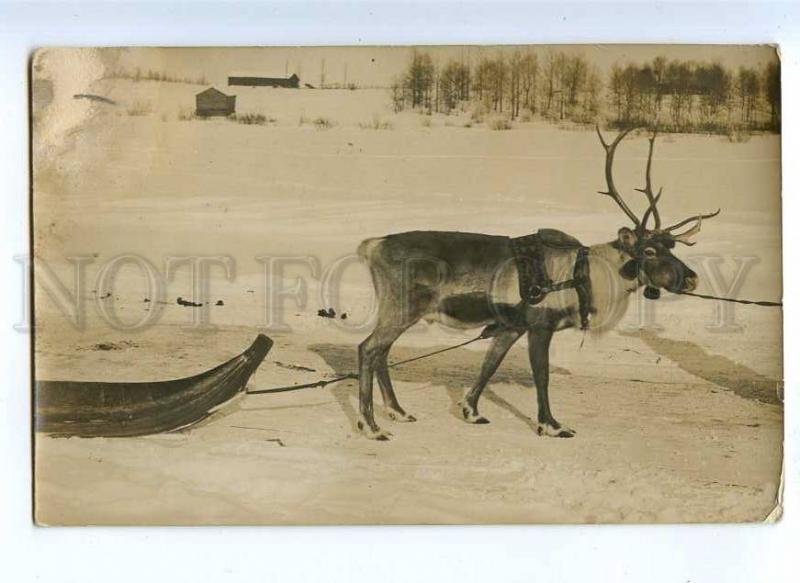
(535, 282)
(533, 276)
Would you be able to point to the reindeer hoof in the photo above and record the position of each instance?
(400, 416)
(472, 416)
(376, 433)
(548, 430)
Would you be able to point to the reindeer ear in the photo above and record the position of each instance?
(627, 238)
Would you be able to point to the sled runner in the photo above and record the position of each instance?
(122, 409)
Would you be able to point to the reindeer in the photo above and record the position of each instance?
(467, 280)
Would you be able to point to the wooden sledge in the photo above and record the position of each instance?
(97, 409)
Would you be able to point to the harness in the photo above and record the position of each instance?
(534, 281)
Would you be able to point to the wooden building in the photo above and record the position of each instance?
(214, 102)
(245, 80)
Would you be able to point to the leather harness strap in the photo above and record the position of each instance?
(534, 281)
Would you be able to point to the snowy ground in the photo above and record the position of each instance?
(679, 422)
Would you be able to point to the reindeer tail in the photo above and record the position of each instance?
(368, 246)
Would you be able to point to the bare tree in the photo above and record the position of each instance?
(562, 76)
(679, 80)
(552, 79)
(419, 79)
(591, 96)
(515, 82)
(660, 78)
(529, 73)
(575, 72)
(615, 89)
(748, 85)
(713, 83)
(772, 92)
(398, 97)
(454, 85)
(483, 78)
(499, 78)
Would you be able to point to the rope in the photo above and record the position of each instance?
(420, 357)
(352, 375)
(752, 302)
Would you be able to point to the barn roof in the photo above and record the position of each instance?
(261, 75)
(213, 91)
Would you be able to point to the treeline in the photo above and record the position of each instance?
(678, 95)
(151, 75)
(558, 87)
(689, 96)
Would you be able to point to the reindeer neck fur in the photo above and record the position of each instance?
(610, 291)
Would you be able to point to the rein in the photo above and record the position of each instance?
(737, 301)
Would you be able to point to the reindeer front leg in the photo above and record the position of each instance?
(539, 353)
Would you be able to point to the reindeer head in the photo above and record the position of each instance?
(650, 250)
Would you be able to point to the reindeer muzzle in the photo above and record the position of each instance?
(652, 293)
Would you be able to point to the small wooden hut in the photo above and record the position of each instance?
(214, 102)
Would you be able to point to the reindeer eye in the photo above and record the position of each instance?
(649, 252)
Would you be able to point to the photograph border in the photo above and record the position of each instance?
(512, 553)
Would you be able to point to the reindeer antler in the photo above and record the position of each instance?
(691, 231)
(612, 191)
(652, 199)
(648, 190)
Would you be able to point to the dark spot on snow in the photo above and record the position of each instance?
(187, 303)
(105, 346)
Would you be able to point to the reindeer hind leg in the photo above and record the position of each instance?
(368, 353)
(372, 359)
(393, 408)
